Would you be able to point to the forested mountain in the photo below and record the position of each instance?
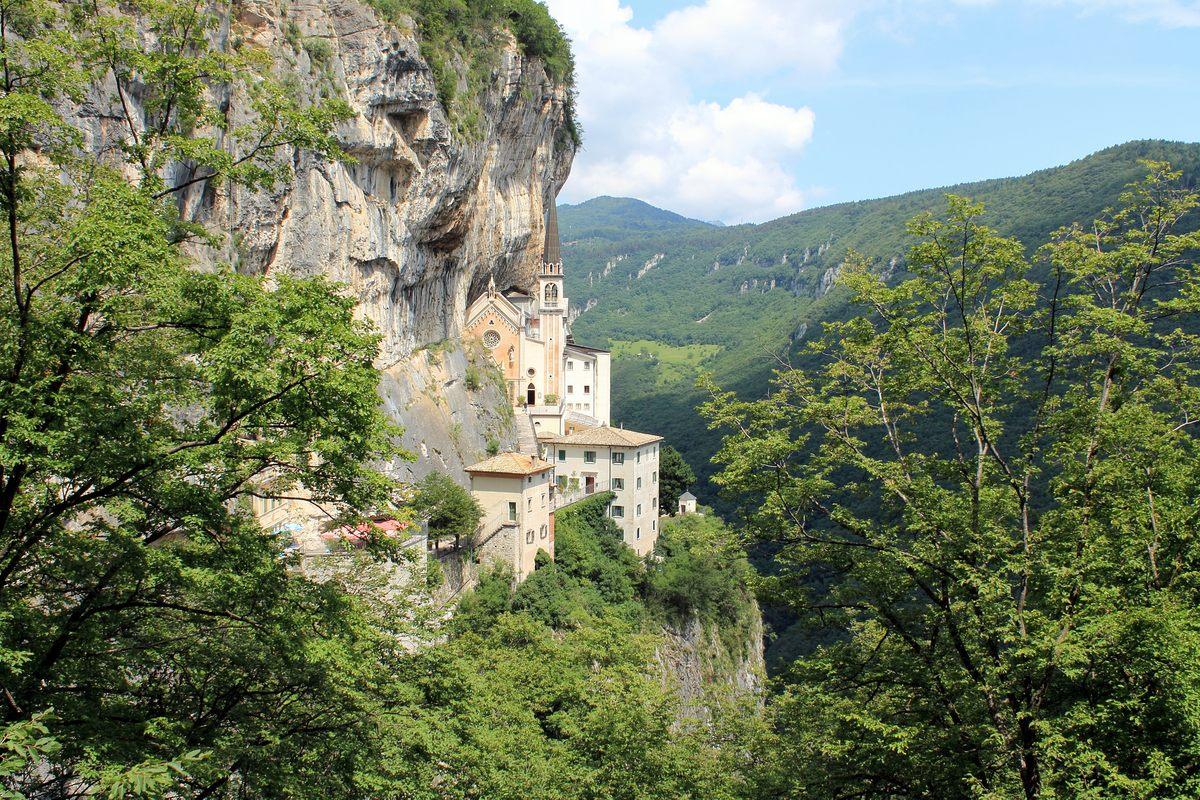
(673, 297)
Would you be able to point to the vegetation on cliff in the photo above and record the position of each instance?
(551, 689)
(460, 40)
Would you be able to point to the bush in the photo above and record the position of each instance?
(701, 569)
(473, 380)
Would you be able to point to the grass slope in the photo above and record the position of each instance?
(746, 296)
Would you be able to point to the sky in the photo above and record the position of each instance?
(748, 110)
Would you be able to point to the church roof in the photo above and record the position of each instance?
(607, 437)
(511, 464)
(552, 254)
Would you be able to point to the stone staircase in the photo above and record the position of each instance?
(527, 441)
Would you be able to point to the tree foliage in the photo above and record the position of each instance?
(675, 476)
(985, 502)
(143, 406)
(450, 509)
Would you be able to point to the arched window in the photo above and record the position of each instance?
(551, 293)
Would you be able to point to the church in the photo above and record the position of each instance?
(563, 386)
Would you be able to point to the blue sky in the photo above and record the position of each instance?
(745, 110)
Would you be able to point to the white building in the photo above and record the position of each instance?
(613, 460)
(515, 492)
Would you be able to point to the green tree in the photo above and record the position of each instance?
(985, 504)
(674, 477)
(449, 508)
(144, 405)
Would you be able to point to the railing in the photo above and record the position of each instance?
(493, 525)
(575, 493)
(545, 409)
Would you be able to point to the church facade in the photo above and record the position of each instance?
(562, 385)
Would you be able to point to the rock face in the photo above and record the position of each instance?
(415, 225)
(697, 663)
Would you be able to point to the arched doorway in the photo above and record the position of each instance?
(531, 395)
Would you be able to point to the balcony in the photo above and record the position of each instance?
(573, 493)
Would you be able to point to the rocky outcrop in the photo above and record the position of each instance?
(697, 661)
(420, 217)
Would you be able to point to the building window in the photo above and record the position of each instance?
(589, 456)
(491, 339)
(639, 483)
(639, 456)
(562, 455)
(638, 535)
(543, 531)
(512, 512)
(618, 484)
(654, 476)
(587, 390)
(587, 365)
(639, 509)
(618, 511)
(618, 458)
(529, 536)
(543, 499)
(653, 524)
(570, 366)
(570, 389)
(654, 502)
(529, 504)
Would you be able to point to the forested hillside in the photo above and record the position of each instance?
(674, 297)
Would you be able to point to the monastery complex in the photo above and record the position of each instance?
(561, 395)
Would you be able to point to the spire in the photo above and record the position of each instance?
(492, 284)
(552, 254)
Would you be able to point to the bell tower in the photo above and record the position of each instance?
(551, 303)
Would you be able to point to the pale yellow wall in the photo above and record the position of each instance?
(532, 495)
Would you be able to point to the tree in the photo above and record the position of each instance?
(985, 503)
(449, 508)
(144, 405)
(674, 477)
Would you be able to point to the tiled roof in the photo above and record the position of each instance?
(607, 437)
(512, 464)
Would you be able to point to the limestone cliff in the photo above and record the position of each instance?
(414, 226)
(705, 667)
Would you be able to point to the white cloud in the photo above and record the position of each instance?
(652, 131)
(647, 136)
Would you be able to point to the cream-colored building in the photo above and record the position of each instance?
(561, 385)
(613, 460)
(516, 493)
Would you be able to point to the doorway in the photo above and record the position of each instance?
(531, 396)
